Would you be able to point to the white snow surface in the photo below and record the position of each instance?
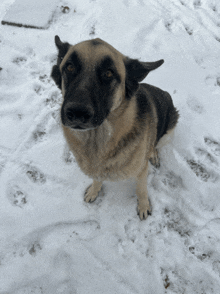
(51, 241)
(31, 13)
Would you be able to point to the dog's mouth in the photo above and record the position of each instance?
(80, 128)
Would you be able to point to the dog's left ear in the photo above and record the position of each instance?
(63, 48)
(136, 71)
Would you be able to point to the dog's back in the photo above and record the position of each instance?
(167, 115)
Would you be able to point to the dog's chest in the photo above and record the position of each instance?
(104, 160)
(89, 150)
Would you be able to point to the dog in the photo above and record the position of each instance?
(113, 123)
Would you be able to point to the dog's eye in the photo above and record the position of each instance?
(70, 67)
(108, 74)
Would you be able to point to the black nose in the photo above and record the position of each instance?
(78, 115)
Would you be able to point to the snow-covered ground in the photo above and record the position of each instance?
(51, 241)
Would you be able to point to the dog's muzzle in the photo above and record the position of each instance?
(78, 117)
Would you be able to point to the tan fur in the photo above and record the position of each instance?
(118, 149)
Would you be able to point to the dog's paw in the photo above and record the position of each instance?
(144, 210)
(155, 160)
(91, 194)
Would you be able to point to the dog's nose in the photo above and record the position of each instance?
(78, 115)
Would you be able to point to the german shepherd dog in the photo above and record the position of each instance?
(113, 124)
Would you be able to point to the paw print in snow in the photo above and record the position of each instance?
(35, 175)
(206, 165)
(19, 60)
(17, 197)
(213, 145)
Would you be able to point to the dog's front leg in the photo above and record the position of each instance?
(92, 191)
(141, 190)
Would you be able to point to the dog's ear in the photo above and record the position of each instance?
(56, 76)
(62, 48)
(136, 71)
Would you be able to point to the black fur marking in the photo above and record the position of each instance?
(131, 86)
(86, 87)
(96, 42)
(107, 64)
(136, 71)
(143, 104)
(101, 102)
(166, 112)
(131, 83)
(62, 47)
(62, 52)
(56, 75)
(76, 62)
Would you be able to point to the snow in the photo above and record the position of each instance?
(51, 241)
(30, 13)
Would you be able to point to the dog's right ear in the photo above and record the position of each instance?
(62, 47)
(136, 71)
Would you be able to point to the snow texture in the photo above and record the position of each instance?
(51, 241)
(31, 13)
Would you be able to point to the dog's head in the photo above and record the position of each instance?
(95, 78)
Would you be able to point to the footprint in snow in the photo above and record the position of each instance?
(201, 255)
(92, 31)
(213, 145)
(131, 230)
(188, 30)
(168, 182)
(202, 172)
(85, 230)
(203, 242)
(172, 180)
(34, 248)
(40, 239)
(206, 156)
(38, 89)
(213, 80)
(44, 78)
(168, 25)
(35, 175)
(175, 221)
(195, 105)
(20, 60)
(37, 136)
(204, 166)
(197, 4)
(16, 196)
(53, 99)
